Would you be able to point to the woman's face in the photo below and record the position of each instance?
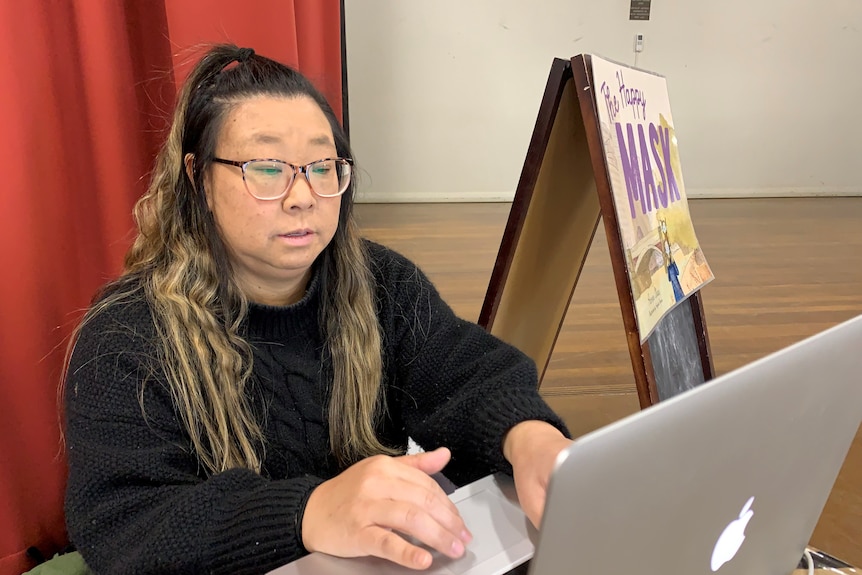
(272, 243)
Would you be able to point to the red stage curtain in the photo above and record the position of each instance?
(87, 88)
(305, 34)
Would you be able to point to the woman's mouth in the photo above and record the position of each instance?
(297, 237)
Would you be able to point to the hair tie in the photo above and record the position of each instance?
(244, 55)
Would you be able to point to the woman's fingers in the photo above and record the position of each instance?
(412, 521)
(363, 510)
(433, 498)
(532, 448)
(534, 504)
(421, 516)
(388, 545)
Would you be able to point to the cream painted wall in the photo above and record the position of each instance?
(443, 94)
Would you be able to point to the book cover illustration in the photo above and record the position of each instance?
(663, 257)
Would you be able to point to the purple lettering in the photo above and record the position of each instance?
(672, 188)
(632, 97)
(611, 102)
(662, 185)
(649, 196)
(629, 160)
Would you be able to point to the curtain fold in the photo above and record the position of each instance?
(305, 34)
(87, 92)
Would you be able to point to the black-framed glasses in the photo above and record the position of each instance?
(271, 179)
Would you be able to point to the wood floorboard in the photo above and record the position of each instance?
(785, 269)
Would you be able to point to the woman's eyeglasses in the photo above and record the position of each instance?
(271, 179)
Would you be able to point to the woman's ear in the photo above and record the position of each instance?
(189, 161)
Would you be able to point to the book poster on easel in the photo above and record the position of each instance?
(663, 256)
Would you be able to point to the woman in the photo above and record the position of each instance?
(245, 391)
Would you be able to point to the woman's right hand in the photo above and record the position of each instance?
(359, 511)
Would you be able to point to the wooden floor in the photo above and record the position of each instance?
(785, 269)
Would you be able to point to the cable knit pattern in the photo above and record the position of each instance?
(139, 502)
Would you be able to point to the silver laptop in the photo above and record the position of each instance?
(730, 477)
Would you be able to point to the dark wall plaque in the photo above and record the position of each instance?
(639, 10)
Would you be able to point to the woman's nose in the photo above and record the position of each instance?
(300, 194)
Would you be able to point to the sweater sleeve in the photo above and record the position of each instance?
(456, 385)
(137, 500)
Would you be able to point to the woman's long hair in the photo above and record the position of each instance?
(181, 264)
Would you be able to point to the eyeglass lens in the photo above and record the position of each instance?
(268, 180)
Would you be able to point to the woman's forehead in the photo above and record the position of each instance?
(268, 120)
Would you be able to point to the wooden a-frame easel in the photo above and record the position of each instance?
(563, 192)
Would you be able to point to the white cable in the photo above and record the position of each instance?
(810, 560)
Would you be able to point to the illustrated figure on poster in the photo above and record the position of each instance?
(670, 264)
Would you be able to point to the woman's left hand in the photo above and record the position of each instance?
(532, 448)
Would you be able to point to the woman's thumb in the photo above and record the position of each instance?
(429, 462)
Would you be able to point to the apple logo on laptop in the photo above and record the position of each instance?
(732, 537)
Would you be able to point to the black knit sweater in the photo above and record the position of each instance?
(139, 502)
